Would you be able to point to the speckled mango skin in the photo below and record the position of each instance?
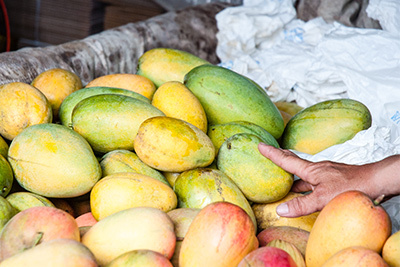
(53, 161)
(201, 186)
(162, 65)
(260, 180)
(173, 145)
(325, 124)
(109, 122)
(227, 96)
(219, 133)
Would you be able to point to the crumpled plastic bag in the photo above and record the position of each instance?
(313, 61)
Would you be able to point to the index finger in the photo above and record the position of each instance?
(285, 159)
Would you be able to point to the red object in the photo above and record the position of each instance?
(7, 23)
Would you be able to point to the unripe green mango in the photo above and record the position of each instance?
(162, 65)
(69, 103)
(325, 124)
(110, 121)
(219, 133)
(227, 96)
(260, 180)
(199, 187)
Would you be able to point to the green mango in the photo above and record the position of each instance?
(219, 133)
(260, 180)
(227, 96)
(199, 187)
(325, 124)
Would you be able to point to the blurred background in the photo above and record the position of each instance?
(37, 23)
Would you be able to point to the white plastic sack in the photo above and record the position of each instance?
(314, 61)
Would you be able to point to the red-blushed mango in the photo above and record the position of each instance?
(227, 96)
(173, 145)
(325, 124)
(291, 249)
(131, 229)
(199, 187)
(162, 65)
(140, 257)
(121, 160)
(221, 234)
(109, 122)
(349, 219)
(260, 180)
(22, 105)
(69, 103)
(268, 256)
(128, 81)
(53, 161)
(56, 84)
(36, 225)
(57, 252)
(124, 190)
(177, 101)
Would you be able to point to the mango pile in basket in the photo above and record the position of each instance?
(162, 168)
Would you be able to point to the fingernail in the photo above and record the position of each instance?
(282, 209)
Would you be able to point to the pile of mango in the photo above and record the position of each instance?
(131, 160)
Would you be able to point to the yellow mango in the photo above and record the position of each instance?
(128, 81)
(173, 145)
(177, 101)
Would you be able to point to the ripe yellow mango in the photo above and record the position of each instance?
(173, 145)
(177, 101)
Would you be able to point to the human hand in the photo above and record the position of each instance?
(325, 179)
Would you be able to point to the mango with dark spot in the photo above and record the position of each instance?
(325, 124)
(260, 180)
(199, 187)
(227, 96)
(219, 133)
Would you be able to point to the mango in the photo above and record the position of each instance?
(199, 187)
(7, 211)
(69, 103)
(173, 145)
(260, 180)
(129, 81)
(219, 133)
(140, 257)
(6, 176)
(175, 100)
(25, 200)
(290, 108)
(267, 217)
(121, 160)
(221, 234)
(29, 107)
(131, 229)
(109, 122)
(227, 96)
(60, 163)
(162, 65)
(56, 84)
(325, 124)
(124, 190)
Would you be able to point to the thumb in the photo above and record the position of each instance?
(298, 206)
